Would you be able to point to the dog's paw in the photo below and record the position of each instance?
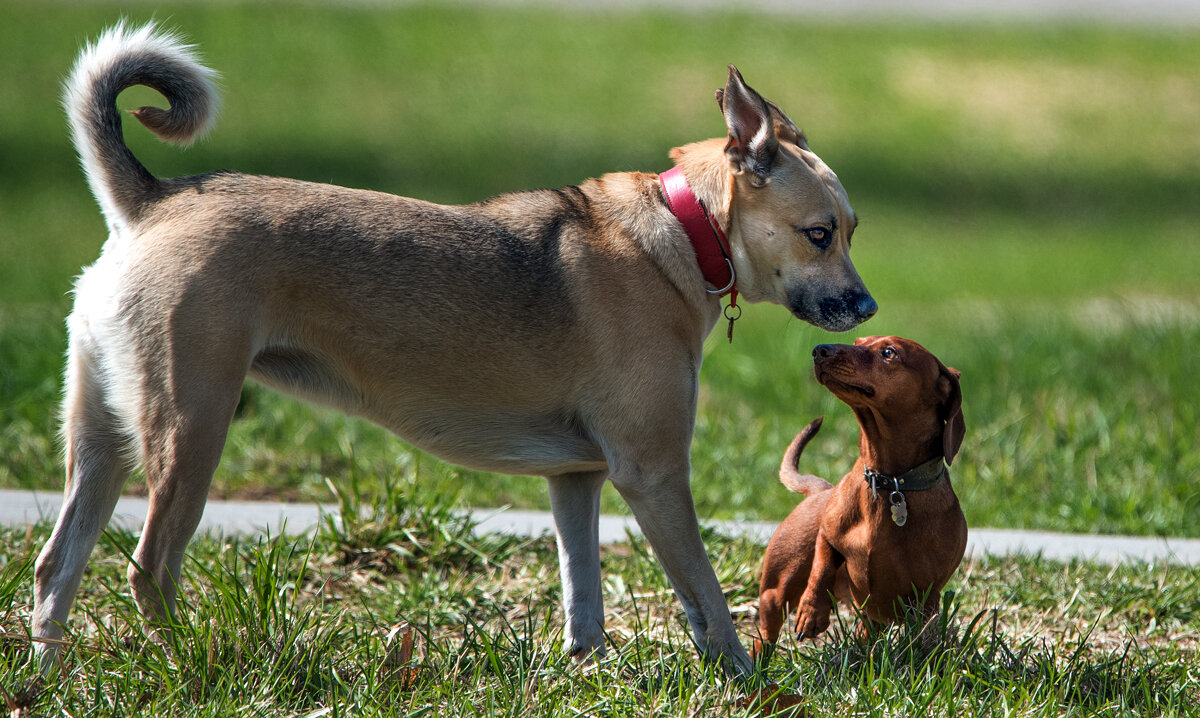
(811, 620)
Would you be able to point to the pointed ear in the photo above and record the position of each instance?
(956, 427)
(785, 129)
(752, 144)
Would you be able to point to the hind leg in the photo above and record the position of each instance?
(98, 460)
(184, 432)
(575, 501)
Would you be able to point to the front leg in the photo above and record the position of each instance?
(661, 501)
(812, 612)
(575, 502)
(645, 428)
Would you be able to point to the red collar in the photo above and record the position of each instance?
(709, 242)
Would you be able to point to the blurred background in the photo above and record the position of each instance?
(1028, 184)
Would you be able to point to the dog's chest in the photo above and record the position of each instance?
(922, 552)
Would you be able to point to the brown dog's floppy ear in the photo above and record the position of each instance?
(752, 144)
(956, 427)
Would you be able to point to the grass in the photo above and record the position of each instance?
(405, 612)
(1027, 196)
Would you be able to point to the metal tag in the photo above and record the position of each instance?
(899, 508)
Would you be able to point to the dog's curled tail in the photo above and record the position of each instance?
(806, 484)
(121, 58)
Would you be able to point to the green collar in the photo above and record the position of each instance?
(921, 478)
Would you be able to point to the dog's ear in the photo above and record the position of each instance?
(752, 143)
(785, 129)
(951, 410)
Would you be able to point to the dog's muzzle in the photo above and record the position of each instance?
(859, 305)
(837, 313)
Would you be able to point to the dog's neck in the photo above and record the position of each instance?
(709, 176)
(702, 227)
(894, 447)
(705, 233)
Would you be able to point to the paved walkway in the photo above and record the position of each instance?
(20, 508)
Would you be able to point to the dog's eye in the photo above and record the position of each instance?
(889, 353)
(819, 236)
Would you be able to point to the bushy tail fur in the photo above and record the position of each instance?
(806, 484)
(120, 59)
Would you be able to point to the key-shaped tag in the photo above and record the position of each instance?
(899, 508)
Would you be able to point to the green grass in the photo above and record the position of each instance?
(279, 626)
(1028, 205)
(1027, 196)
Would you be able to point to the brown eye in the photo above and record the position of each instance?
(889, 353)
(819, 236)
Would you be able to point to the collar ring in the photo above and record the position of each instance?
(732, 280)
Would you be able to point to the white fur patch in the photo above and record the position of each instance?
(766, 131)
(101, 343)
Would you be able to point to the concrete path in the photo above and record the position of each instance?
(20, 508)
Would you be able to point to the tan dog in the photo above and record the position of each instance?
(556, 333)
(891, 533)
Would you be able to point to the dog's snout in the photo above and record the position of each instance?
(839, 312)
(823, 351)
(865, 306)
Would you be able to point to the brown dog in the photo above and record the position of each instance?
(891, 533)
(554, 333)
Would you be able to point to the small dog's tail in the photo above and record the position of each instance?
(120, 59)
(806, 484)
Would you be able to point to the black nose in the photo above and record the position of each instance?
(822, 351)
(865, 306)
